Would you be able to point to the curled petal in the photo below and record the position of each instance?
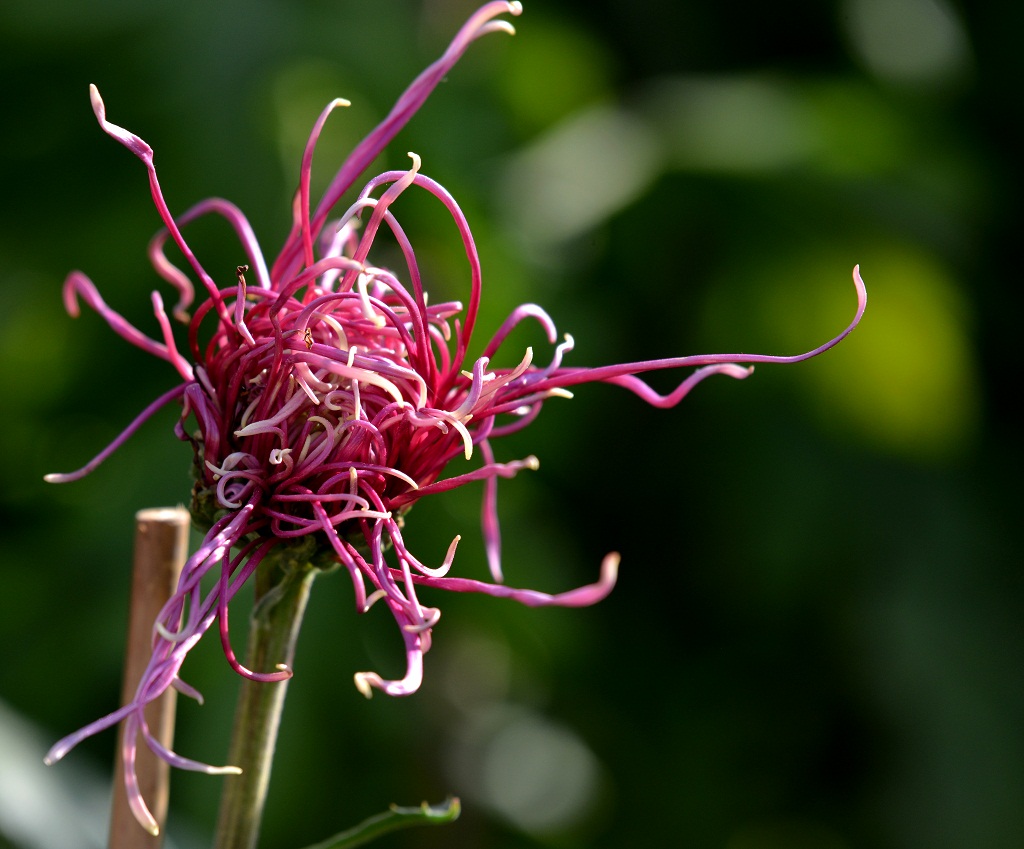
(179, 362)
(305, 172)
(127, 138)
(579, 597)
(405, 686)
(635, 384)
(59, 749)
(481, 23)
(144, 152)
(66, 477)
(78, 285)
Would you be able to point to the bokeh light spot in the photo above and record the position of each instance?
(907, 41)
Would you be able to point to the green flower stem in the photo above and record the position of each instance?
(282, 590)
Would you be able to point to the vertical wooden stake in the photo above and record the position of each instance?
(161, 548)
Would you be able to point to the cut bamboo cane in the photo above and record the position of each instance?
(161, 548)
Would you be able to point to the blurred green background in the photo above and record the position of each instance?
(817, 638)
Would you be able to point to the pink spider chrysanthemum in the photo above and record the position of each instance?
(328, 396)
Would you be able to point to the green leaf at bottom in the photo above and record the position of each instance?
(391, 820)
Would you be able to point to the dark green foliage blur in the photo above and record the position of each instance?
(817, 641)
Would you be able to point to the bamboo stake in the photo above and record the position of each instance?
(161, 548)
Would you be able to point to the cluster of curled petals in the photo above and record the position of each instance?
(324, 395)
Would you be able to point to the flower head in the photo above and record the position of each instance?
(325, 395)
